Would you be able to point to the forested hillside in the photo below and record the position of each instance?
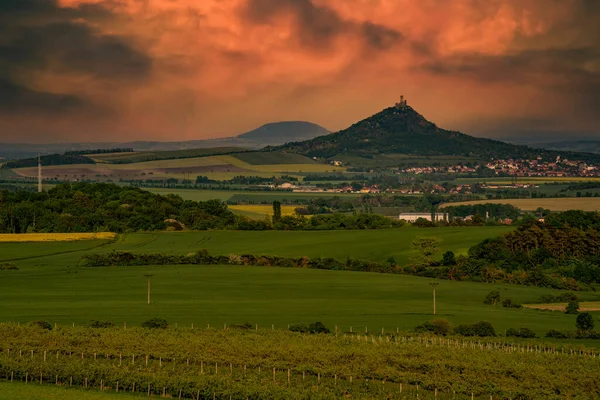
(563, 252)
(402, 130)
(85, 207)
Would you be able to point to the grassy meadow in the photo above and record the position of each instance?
(61, 292)
(245, 196)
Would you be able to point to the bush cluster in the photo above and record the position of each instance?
(155, 323)
(315, 327)
(508, 303)
(525, 333)
(101, 324)
(481, 328)
(8, 267)
(443, 327)
(202, 257)
(42, 324)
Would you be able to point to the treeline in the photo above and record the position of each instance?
(202, 257)
(562, 253)
(49, 160)
(332, 221)
(101, 207)
(247, 180)
(100, 151)
(499, 211)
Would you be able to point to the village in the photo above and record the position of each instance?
(520, 168)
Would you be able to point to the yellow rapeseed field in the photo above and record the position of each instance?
(264, 209)
(54, 237)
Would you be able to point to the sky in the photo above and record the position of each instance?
(120, 70)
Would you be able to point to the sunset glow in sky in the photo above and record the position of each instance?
(91, 70)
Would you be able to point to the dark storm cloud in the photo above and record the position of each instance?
(318, 26)
(39, 37)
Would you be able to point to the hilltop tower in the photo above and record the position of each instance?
(401, 103)
(39, 174)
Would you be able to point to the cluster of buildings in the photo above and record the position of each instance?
(517, 167)
(558, 168)
(456, 169)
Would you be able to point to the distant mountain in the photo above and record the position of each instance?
(283, 132)
(272, 134)
(589, 146)
(402, 130)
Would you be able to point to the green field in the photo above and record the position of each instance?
(246, 196)
(60, 291)
(271, 158)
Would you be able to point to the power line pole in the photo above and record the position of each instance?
(433, 285)
(148, 276)
(39, 174)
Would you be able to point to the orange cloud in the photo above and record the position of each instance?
(188, 69)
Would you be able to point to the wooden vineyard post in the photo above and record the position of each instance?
(216, 368)
(41, 378)
(44, 355)
(85, 382)
(26, 376)
(71, 381)
(274, 373)
(101, 384)
(148, 390)
(289, 376)
(146, 360)
(400, 388)
(117, 387)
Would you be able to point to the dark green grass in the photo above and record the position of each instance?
(55, 289)
(245, 196)
(224, 294)
(31, 391)
(273, 158)
(375, 245)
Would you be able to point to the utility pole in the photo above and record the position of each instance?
(433, 285)
(150, 276)
(39, 174)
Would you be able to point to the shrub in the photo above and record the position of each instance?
(155, 323)
(101, 324)
(315, 327)
(448, 259)
(525, 333)
(508, 303)
(302, 328)
(318, 327)
(464, 330)
(245, 326)
(481, 328)
(440, 327)
(484, 328)
(553, 333)
(8, 267)
(572, 308)
(492, 298)
(42, 324)
(585, 322)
